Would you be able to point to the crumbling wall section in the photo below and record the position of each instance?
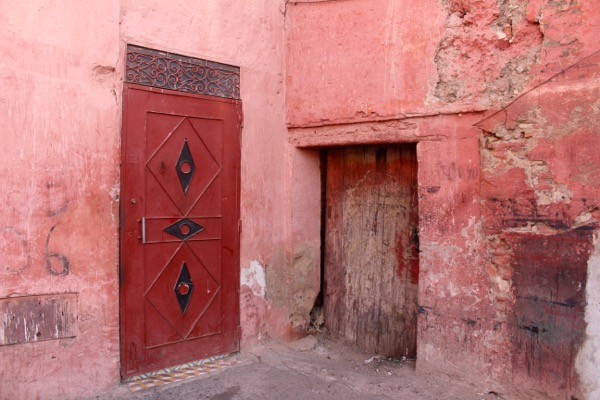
(491, 40)
(540, 209)
(456, 329)
(481, 302)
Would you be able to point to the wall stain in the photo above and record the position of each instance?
(15, 251)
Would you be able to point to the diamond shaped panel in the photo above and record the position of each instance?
(183, 161)
(184, 229)
(184, 288)
(196, 297)
(185, 167)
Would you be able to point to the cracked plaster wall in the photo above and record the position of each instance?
(539, 168)
(280, 308)
(461, 61)
(494, 38)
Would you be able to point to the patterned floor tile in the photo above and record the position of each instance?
(179, 373)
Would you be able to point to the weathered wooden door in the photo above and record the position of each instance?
(179, 237)
(371, 247)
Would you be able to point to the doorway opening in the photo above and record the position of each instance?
(370, 263)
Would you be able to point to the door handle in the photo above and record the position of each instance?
(143, 230)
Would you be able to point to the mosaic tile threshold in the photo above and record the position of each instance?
(180, 373)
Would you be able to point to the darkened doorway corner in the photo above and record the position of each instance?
(317, 317)
(171, 71)
(323, 173)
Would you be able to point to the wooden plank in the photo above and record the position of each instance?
(397, 334)
(334, 273)
(353, 236)
(38, 318)
(366, 260)
(548, 322)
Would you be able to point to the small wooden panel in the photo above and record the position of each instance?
(548, 324)
(38, 318)
(371, 256)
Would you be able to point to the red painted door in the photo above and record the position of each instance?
(179, 228)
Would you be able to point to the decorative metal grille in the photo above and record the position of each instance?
(185, 74)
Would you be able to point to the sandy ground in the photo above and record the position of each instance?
(313, 368)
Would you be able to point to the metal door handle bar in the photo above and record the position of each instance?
(143, 230)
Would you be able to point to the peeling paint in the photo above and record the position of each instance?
(38, 318)
(254, 277)
(588, 358)
(492, 39)
(293, 282)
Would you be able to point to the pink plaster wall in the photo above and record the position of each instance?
(360, 60)
(61, 73)
(539, 155)
(60, 113)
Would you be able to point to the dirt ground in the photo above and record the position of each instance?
(312, 368)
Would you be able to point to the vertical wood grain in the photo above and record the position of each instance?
(371, 259)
